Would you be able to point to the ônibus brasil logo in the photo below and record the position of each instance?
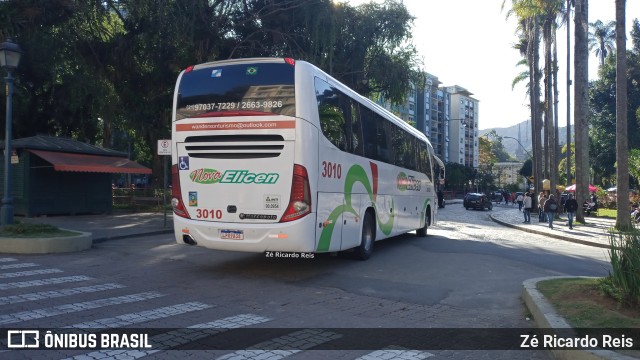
(213, 176)
(409, 182)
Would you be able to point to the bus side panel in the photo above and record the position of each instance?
(352, 222)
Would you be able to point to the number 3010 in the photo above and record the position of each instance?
(209, 214)
(331, 170)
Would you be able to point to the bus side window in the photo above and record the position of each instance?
(331, 115)
(357, 143)
(382, 136)
(369, 132)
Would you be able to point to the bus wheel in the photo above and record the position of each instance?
(422, 232)
(364, 250)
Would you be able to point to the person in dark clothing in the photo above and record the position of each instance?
(550, 207)
(571, 206)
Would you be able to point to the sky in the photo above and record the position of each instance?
(470, 43)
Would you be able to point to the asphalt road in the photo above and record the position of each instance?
(466, 274)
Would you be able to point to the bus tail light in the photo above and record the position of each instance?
(176, 194)
(300, 200)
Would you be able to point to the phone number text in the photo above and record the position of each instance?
(242, 105)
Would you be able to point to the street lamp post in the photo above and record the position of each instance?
(519, 143)
(10, 54)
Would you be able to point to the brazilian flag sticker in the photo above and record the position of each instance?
(252, 70)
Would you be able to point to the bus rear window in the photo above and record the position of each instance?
(260, 88)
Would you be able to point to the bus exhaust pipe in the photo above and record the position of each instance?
(187, 239)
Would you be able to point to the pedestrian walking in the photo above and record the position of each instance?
(571, 206)
(550, 208)
(542, 198)
(527, 203)
(519, 200)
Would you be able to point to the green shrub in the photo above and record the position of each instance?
(623, 282)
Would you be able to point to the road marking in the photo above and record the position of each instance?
(393, 352)
(75, 307)
(7, 260)
(29, 273)
(297, 341)
(142, 316)
(17, 266)
(57, 293)
(179, 337)
(51, 281)
(127, 319)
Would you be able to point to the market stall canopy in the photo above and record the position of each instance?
(91, 163)
(572, 188)
(72, 155)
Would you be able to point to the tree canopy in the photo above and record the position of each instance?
(104, 71)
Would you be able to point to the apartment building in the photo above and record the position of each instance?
(432, 110)
(463, 127)
(448, 115)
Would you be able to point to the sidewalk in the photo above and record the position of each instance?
(108, 227)
(593, 233)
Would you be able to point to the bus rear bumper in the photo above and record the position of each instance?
(294, 236)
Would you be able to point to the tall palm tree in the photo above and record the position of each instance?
(623, 221)
(550, 9)
(570, 4)
(581, 100)
(528, 14)
(602, 39)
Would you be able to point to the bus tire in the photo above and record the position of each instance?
(422, 232)
(368, 237)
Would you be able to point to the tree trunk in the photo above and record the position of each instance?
(556, 139)
(549, 122)
(623, 220)
(568, 153)
(537, 120)
(581, 107)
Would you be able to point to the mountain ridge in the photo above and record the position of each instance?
(521, 131)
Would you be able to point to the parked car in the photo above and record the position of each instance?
(477, 201)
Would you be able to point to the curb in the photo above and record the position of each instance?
(50, 245)
(556, 236)
(546, 317)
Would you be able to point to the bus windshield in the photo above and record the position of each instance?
(240, 89)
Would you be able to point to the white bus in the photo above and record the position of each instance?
(274, 155)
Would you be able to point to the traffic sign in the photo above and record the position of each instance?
(164, 147)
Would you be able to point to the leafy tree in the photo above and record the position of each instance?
(563, 164)
(485, 151)
(602, 96)
(105, 71)
(634, 164)
(458, 176)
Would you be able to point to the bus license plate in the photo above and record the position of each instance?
(232, 234)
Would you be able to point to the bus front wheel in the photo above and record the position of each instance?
(364, 250)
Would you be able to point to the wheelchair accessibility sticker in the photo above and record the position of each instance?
(183, 162)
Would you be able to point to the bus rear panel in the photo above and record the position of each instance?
(235, 182)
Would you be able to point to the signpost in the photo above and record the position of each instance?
(164, 148)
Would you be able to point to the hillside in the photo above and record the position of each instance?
(521, 131)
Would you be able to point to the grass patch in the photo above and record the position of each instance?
(33, 231)
(609, 213)
(584, 305)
